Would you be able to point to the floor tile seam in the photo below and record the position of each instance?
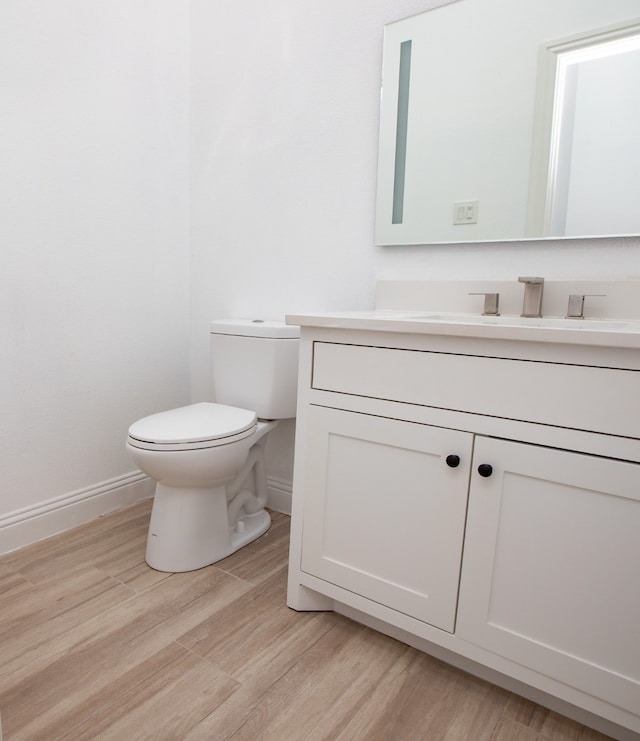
(161, 668)
(71, 733)
(253, 582)
(285, 628)
(525, 721)
(352, 711)
(165, 622)
(57, 571)
(88, 641)
(33, 651)
(121, 564)
(235, 576)
(285, 670)
(238, 687)
(139, 591)
(169, 574)
(257, 692)
(115, 583)
(25, 577)
(397, 668)
(11, 569)
(510, 722)
(231, 570)
(206, 660)
(288, 667)
(98, 615)
(64, 616)
(537, 719)
(89, 646)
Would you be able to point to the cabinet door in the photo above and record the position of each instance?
(384, 511)
(550, 568)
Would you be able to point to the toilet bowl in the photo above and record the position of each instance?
(208, 458)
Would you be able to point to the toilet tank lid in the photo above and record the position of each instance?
(271, 328)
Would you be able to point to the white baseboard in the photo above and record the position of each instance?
(25, 526)
(31, 524)
(280, 494)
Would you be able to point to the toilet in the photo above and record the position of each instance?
(204, 456)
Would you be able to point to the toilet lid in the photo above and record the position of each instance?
(196, 423)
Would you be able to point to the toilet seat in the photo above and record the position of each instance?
(202, 425)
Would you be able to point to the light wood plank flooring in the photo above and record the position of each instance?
(96, 645)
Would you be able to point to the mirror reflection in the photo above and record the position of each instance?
(506, 119)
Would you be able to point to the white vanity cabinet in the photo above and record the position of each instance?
(550, 575)
(385, 515)
(481, 500)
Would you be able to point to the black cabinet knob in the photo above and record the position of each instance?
(485, 469)
(453, 461)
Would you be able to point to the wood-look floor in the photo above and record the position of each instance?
(96, 645)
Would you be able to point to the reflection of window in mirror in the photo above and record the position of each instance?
(466, 131)
(594, 189)
(585, 175)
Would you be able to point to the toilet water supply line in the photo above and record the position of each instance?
(243, 498)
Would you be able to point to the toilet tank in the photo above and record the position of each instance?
(254, 365)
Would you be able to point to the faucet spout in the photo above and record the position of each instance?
(532, 304)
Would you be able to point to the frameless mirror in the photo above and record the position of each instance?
(509, 120)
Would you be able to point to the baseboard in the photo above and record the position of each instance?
(42, 520)
(280, 494)
(39, 521)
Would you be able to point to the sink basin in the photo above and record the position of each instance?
(603, 325)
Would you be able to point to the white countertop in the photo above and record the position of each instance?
(594, 332)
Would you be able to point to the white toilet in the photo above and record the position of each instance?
(202, 455)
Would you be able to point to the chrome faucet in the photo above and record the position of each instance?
(532, 304)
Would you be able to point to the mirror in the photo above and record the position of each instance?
(510, 120)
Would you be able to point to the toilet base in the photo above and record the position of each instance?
(189, 528)
(249, 528)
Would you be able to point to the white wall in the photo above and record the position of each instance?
(94, 147)
(284, 148)
(93, 240)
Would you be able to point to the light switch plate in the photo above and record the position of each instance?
(465, 212)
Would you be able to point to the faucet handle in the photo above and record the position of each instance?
(575, 309)
(530, 279)
(491, 303)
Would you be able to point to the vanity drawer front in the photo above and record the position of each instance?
(605, 400)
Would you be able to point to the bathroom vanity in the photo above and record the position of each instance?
(471, 485)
